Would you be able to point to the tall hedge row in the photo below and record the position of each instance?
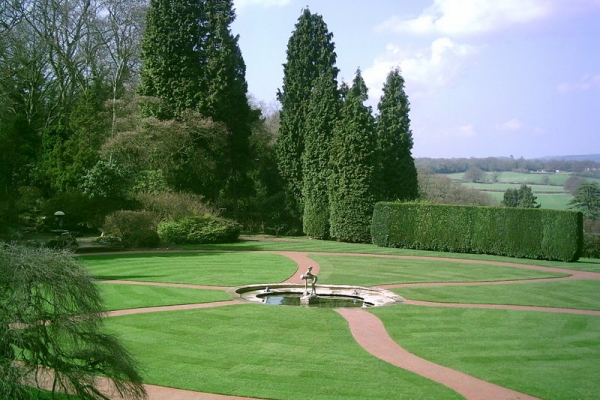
(514, 232)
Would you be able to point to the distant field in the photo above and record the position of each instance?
(502, 187)
(552, 195)
(557, 179)
(556, 201)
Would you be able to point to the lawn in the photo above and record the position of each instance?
(265, 352)
(121, 297)
(213, 269)
(547, 355)
(257, 243)
(577, 294)
(369, 271)
(289, 353)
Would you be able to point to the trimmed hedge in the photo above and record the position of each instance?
(199, 229)
(514, 232)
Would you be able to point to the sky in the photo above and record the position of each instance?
(485, 78)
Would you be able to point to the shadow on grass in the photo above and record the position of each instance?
(125, 277)
(149, 254)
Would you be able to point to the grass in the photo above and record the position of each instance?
(318, 246)
(577, 294)
(550, 356)
(369, 271)
(502, 187)
(518, 178)
(266, 352)
(213, 269)
(121, 297)
(289, 353)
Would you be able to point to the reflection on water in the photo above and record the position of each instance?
(293, 299)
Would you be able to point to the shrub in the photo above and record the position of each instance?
(143, 238)
(173, 206)
(591, 246)
(513, 232)
(123, 223)
(199, 229)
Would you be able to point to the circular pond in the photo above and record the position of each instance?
(329, 296)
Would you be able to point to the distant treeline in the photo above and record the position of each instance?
(499, 164)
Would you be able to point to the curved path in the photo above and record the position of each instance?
(370, 333)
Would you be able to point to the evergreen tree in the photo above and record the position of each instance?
(353, 156)
(226, 98)
(322, 114)
(310, 53)
(174, 54)
(522, 197)
(191, 60)
(587, 200)
(397, 171)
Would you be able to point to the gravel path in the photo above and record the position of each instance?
(371, 334)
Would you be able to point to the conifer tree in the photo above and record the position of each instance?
(353, 166)
(192, 61)
(173, 54)
(396, 170)
(310, 53)
(321, 117)
(225, 99)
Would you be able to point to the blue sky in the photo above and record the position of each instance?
(485, 78)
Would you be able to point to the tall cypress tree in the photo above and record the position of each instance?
(310, 53)
(321, 117)
(225, 99)
(191, 60)
(353, 168)
(173, 54)
(397, 171)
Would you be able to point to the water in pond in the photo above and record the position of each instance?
(293, 299)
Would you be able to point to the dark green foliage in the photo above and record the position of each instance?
(321, 118)
(522, 197)
(199, 229)
(50, 316)
(191, 61)
(107, 179)
(143, 238)
(174, 54)
(397, 174)
(513, 232)
(225, 99)
(123, 223)
(352, 180)
(310, 53)
(591, 246)
(587, 200)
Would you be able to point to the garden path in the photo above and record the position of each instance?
(370, 333)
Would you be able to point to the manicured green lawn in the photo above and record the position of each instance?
(548, 355)
(121, 297)
(311, 245)
(265, 352)
(369, 271)
(291, 353)
(578, 294)
(213, 269)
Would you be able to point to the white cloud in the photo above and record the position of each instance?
(516, 125)
(262, 3)
(587, 82)
(471, 17)
(513, 124)
(424, 70)
(465, 131)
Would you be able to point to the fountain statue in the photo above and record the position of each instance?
(308, 275)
